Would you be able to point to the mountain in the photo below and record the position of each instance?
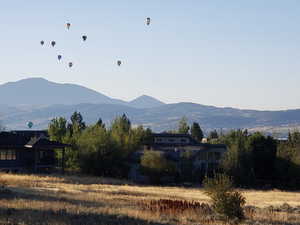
(40, 100)
(39, 91)
(161, 118)
(145, 101)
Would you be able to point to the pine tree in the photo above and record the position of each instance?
(196, 132)
(183, 127)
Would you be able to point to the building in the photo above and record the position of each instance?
(29, 151)
(204, 157)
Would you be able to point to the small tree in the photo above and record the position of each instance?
(183, 127)
(57, 129)
(213, 135)
(155, 165)
(226, 202)
(196, 132)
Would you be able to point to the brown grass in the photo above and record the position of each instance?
(61, 200)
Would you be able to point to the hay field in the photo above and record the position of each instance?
(40, 199)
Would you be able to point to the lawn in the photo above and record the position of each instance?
(55, 199)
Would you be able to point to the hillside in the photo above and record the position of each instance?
(160, 118)
(35, 92)
(145, 101)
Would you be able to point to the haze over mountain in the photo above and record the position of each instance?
(39, 91)
(145, 101)
(53, 100)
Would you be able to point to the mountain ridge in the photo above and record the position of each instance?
(144, 110)
(40, 91)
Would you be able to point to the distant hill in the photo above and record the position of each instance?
(39, 91)
(161, 118)
(40, 100)
(145, 101)
(36, 92)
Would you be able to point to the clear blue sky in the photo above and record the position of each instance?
(243, 54)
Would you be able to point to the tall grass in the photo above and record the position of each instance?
(56, 199)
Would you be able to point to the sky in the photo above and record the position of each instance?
(242, 54)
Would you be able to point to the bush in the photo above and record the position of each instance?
(226, 202)
(156, 166)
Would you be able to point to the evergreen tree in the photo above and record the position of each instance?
(213, 135)
(77, 122)
(57, 129)
(183, 127)
(100, 123)
(196, 132)
(121, 125)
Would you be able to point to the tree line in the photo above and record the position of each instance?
(96, 149)
(255, 160)
(252, 160)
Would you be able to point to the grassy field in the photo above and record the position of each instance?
(89, 200)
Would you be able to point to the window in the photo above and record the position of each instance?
(183, 140)
(8, 155)
(171, 140)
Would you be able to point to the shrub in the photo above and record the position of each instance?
(155, 165)
(226, 202)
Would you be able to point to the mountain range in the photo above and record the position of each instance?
(39, 100)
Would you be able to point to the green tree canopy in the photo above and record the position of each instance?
(196, 132)
(77, 122)
(213, 135)
(183, 127)
(57, 129)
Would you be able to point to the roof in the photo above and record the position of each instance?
(44, 143)
(31, 133)
(193, 142)
(21, 140)
(170, 135)
(203, 145)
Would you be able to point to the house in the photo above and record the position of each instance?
(204, 157)
(29, 151)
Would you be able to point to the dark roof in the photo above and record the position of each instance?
(44, 143)
(170, 135)
(204, 145)
(31, 133)
(192, 142)
(21, 139)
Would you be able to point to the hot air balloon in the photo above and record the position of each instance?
(119, 62)
(148, 21)
(59, 57)
(30, 124)
(42, 42)
(84, 37)
(70, 64)
(53, 43)
(68, 26)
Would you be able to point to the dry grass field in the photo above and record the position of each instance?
(29, 199)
